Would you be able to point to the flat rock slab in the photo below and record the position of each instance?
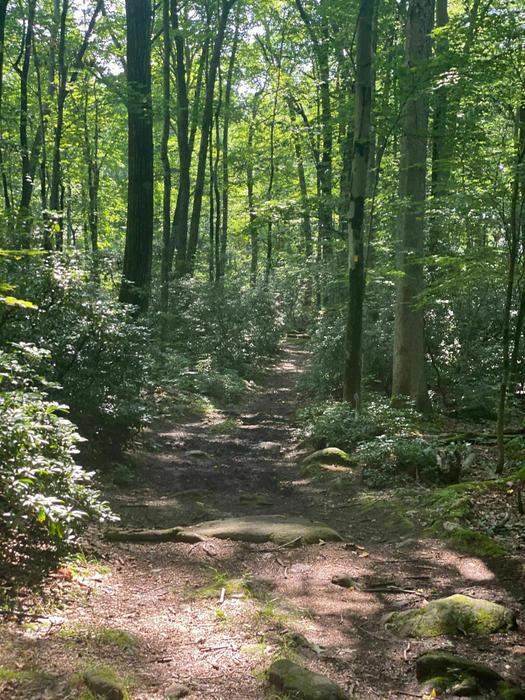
(303, 684)
(457, 614)
(442, 672)
(279, 529)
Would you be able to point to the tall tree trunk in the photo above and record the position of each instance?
(326, 205)
(56, 175)
(211, 199)
(5, 188)
(409, 347)
(513, 242)
(24, 213)
(225, 156)
(359, 183)
(93, 173)
(254, 242)
(136, 273)
(207, 118)
(441, 144)
(216, 193)
(271, 179)
(180, 218)
(165, 270)
(306, 223)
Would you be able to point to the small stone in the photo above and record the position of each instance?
(303, 684)
(197, 454)
(103, 686)
(457, 614)
(177, 691)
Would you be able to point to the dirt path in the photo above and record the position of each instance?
(156, 614)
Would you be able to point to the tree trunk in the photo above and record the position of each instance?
(54, 195)
(139, 230)
(515, 218)
(359, 185)
(165, 159)
(24, 214)
(93, 174)
(180, 218)
(5, 188)
(254, 242)
(207, 118)
(326, 206)
(409, 348)
(225, 162)
(441, 144)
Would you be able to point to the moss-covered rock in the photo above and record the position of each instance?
(474, 542)
(303, 684)
(457, 614)
(177, 691)
(330, 455)
(447, 673)
(105, 685)
(343, 581)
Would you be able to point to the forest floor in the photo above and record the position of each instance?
(212, 616)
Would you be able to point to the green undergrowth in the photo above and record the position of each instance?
(388, 509)
(17, 676)
(100, 636)
(447, 510)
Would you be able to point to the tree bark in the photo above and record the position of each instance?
(5, 188)
(409, 348)
(139, 230)
(24, 213)
(441, 143)
(54, 195)
(254, 234)
(93, 173)
(165, 158)
(207, 116)
(180, 218)
(221, 270)
(320, 43)
(513, 241)
(359, 186)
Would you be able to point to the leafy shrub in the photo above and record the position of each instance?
(227, 327)
(336, 424)
(324, 375)
(226, 387)
(46, 499)
(393, 461)
(98, 353)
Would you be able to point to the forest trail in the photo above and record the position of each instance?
(212, 616)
